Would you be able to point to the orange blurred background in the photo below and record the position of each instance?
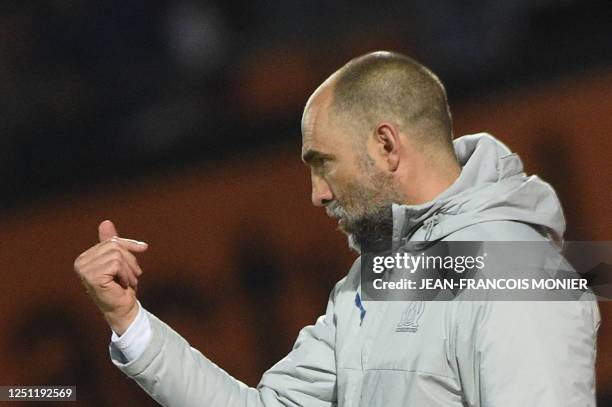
(239, 260)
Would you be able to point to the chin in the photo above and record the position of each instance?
(342, 227)
(353, 244)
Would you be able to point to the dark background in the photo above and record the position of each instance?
(179, 120)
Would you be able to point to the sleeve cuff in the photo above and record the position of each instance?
(135, 339)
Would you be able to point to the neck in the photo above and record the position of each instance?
(430, 183)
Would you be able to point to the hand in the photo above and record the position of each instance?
(110, 274)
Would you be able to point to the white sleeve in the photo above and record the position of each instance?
(135, 339)
(175, 374)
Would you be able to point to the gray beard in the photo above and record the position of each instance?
(373, 227)
(371, 231)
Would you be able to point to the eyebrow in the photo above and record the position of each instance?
(312, 156)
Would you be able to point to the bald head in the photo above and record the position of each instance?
(377, 132)
(389, 87)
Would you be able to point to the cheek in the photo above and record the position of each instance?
(349, 196)
(346, 185)
(338, 183)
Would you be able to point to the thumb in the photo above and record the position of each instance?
(106, 230)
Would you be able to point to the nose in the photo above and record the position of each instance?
(321, 192)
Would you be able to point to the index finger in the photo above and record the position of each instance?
(129, 244)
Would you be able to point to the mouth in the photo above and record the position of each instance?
(336, 213)
(342, 225)
(337, 217)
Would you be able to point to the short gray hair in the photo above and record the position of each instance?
(390, 86)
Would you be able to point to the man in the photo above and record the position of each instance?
(377, 136)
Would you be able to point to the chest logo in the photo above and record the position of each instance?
(410, 317)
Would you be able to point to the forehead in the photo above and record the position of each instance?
(320, 129)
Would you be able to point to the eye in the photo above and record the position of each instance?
(318, 162)
(319, 167)
(325, 164)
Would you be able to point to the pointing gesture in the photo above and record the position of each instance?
(109, 271)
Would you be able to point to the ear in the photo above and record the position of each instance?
(387, 138)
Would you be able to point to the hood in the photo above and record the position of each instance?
(491, 186)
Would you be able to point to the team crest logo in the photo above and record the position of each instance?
(410, 317)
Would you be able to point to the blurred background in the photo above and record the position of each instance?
(179, 120)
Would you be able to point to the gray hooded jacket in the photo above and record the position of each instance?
(461, 353)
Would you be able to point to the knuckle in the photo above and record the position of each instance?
(111, 243)
(79, 264)
(116, 255)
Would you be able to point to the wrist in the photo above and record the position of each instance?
(120, 320)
